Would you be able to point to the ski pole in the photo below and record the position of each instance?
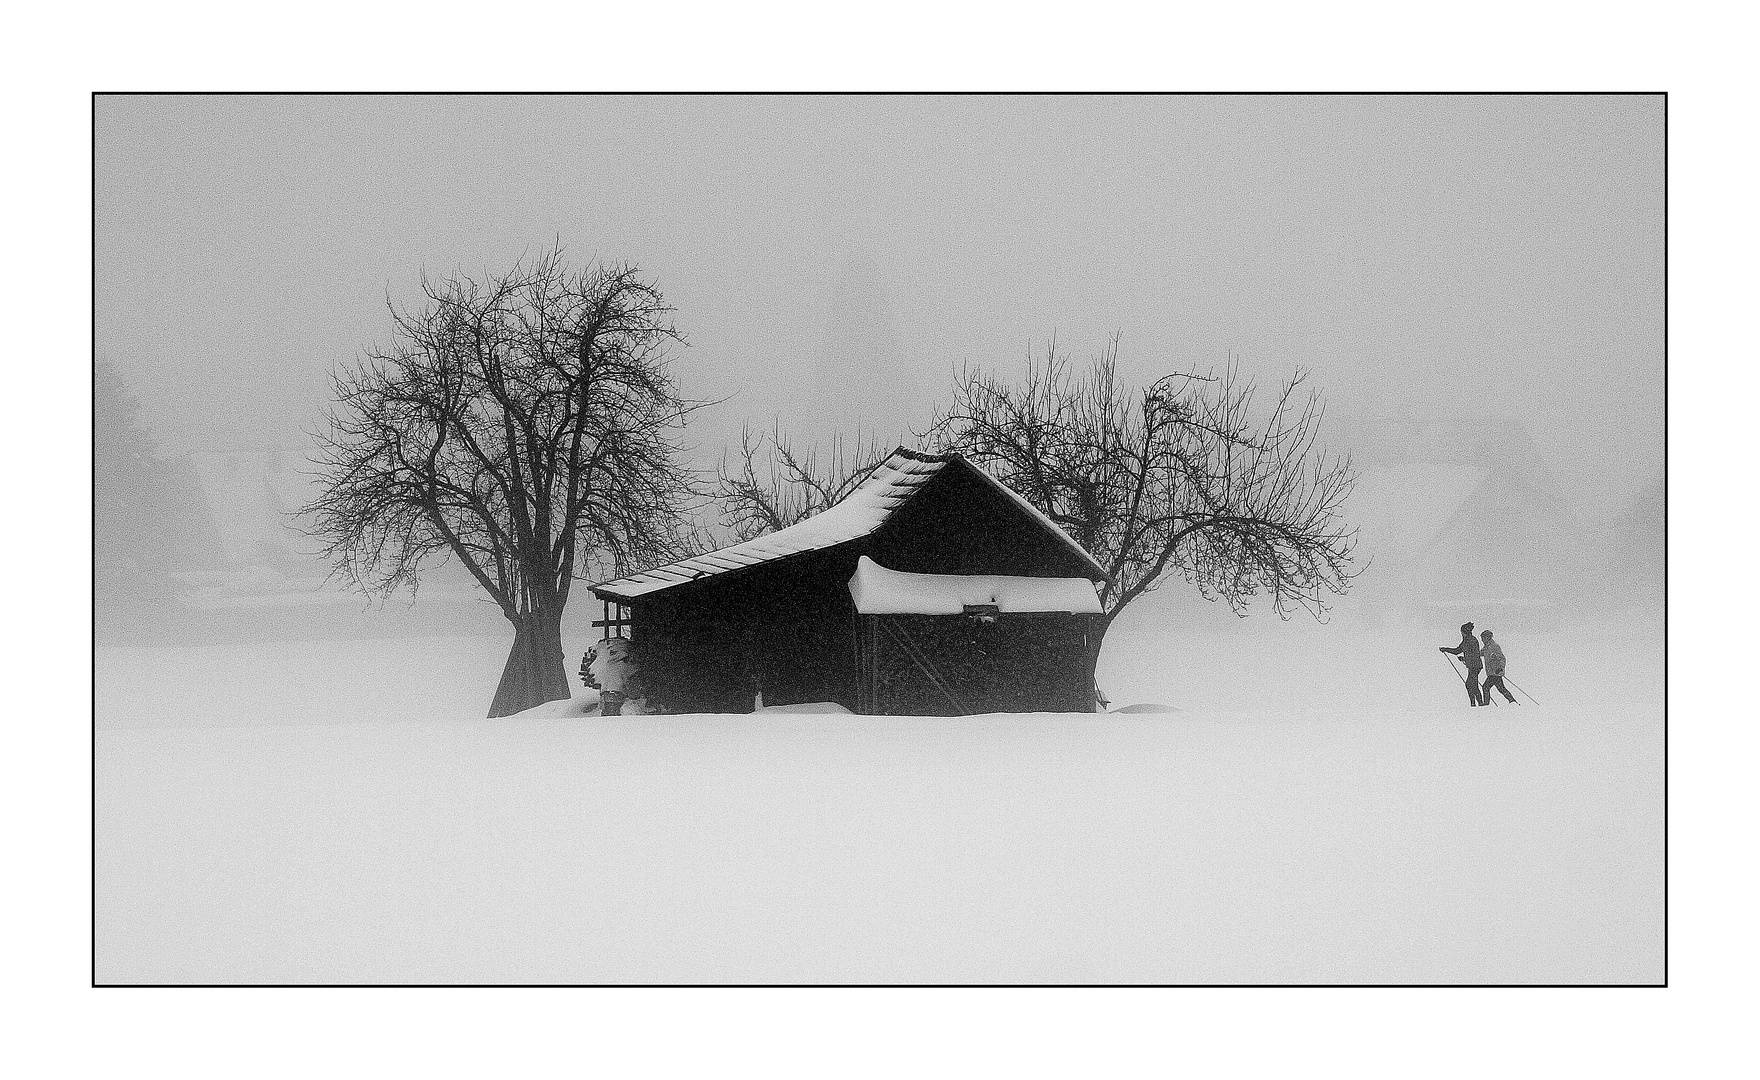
(1524, 693)
(1457, 672)
(1461, 676)
(1485, 697)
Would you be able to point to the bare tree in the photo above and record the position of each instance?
(777, 482)
(1178, 478)
(523, 424)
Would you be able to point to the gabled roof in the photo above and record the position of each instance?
(888, 487)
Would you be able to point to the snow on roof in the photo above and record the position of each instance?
(879, 591)
(859, 514)
(863, 510)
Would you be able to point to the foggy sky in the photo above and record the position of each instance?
(1430, 258)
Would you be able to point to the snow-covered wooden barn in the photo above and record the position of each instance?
(932, 589)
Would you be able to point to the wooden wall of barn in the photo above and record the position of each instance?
(951, 665)
(785, 628)
(790, 627)
(960, 524)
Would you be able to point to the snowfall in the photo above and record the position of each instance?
(1290, 803)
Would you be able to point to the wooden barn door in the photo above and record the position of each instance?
(952, 665)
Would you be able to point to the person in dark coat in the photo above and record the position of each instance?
(1468, 651)
(1493, 655)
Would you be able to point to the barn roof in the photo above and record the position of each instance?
(892, 484)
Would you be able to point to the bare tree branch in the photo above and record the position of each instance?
(1178, 478)
(777, 482)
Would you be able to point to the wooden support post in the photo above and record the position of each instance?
(616, 624)
(875, 705)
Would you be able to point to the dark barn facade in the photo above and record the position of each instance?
(968, 601)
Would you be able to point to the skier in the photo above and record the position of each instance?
(1468, 651)
(1493, 653)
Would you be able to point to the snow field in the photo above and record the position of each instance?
(317, 831)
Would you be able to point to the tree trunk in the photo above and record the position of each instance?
(534, 673)
(1096, 636)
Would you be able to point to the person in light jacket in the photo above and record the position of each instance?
(1493, 654)
(1468, 651)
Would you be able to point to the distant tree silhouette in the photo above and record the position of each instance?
(524, 424)
(141, 504)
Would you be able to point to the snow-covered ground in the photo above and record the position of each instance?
(1322, 809)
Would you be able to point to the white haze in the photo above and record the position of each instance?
(1471, 281)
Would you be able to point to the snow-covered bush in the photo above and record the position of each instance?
(614, 664)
